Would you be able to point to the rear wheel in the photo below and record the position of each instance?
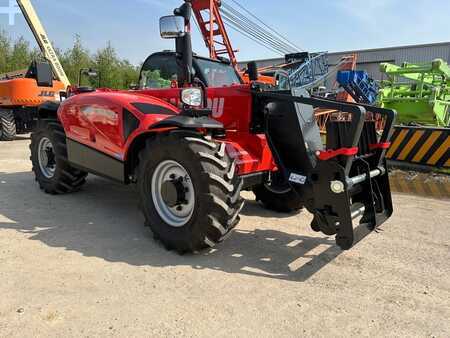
(278, 196)
(7, 125)
(189, 189)
(49, 157)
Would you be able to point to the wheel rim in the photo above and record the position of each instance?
(46, 158)
(173, 193)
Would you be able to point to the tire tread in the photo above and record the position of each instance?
(221, 197)
(8, 128)
(67, 179)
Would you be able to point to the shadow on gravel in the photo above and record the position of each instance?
(22, 137)
(253, 208)
(103, 221)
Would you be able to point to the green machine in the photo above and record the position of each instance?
(419, 92)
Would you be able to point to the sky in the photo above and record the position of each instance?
(328, 25)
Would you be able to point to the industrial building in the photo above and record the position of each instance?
(369, 59)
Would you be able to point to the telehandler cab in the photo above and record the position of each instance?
(194, 135)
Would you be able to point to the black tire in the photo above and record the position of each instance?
(214, 179)
(66, 179)
(278, 199)
(7, 125)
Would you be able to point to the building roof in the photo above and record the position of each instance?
(372, 50)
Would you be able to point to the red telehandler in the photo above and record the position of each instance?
(190, 159)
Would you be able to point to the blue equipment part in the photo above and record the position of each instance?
(359, 85)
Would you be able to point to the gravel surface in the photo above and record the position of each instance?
(83, 265)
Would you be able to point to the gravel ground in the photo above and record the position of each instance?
(83, 265)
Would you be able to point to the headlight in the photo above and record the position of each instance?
(192, 97)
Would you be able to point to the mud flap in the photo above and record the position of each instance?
(345, 182)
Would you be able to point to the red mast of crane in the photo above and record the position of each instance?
(212, 27)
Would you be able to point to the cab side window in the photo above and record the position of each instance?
(159, 71)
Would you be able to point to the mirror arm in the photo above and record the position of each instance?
(184, 44)
(185, 11)
(204, 90)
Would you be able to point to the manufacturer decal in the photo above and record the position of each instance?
(45, 93)
(217, 106)
(97, 114)
(296, 178)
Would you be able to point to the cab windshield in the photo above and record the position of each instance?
(217, 74)
(161, 70)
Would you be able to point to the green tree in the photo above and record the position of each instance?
(21, 55)
(107, 64)
(74, 59)
(5, 51)
(129, 74)
(114, 72)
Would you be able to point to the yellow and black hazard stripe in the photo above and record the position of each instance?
(420, 185)
(424, 146)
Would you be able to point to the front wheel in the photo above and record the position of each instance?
(189, 189)
(277, 196)
(49, 158)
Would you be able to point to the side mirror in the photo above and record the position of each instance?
(252, 70)
(90, 73)
(133, 86)
(172, 26)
